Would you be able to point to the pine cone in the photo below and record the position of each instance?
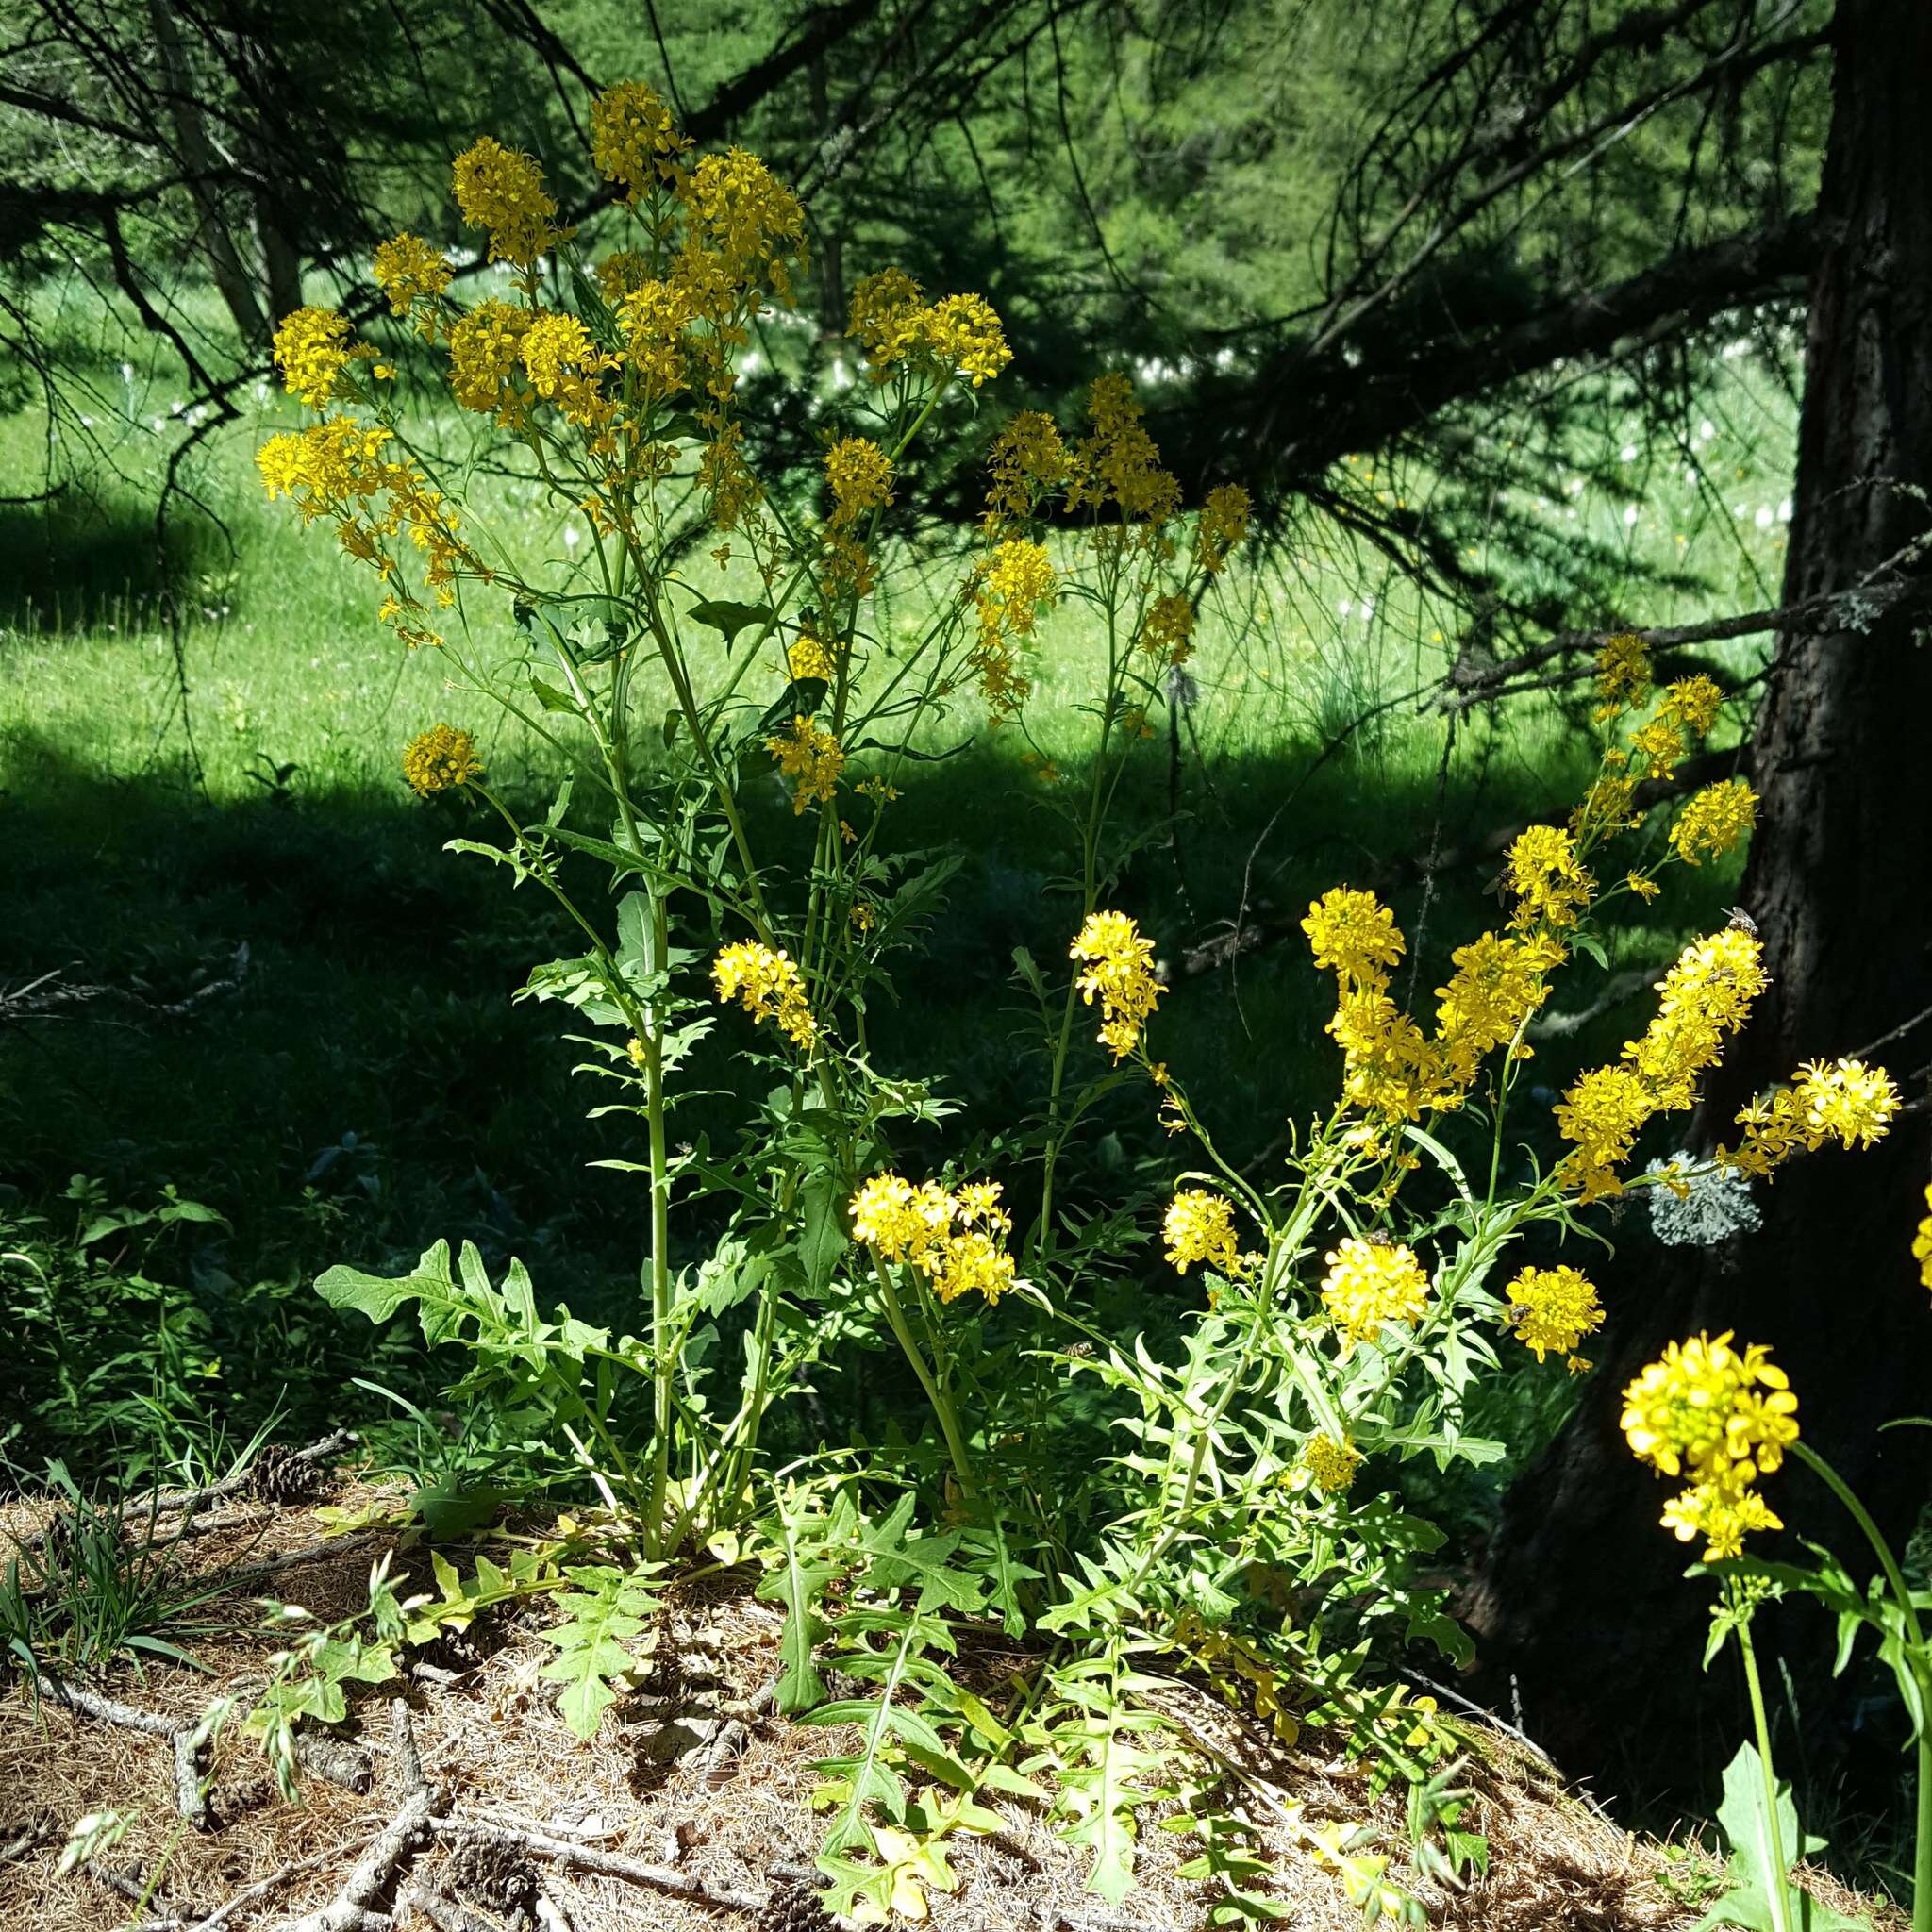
(497, 1877)
(796, 1908)
(281, 1475)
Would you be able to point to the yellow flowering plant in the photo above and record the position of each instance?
(1347, 1310)
(1720, 1419)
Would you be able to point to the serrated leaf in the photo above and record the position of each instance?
(607, 1609)
(723, 615)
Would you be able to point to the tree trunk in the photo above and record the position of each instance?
(1581, 1609)
(201, 165)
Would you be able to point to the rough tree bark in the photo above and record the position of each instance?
(1581, 1603)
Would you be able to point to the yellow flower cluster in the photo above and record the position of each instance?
(439, 760)
(564, 366)
(336, 468)
(810, 657)
(1013, 586)
(1720, 1418)
(1223, 524)
(408, 270)
(1199, 1227)
(1332, 1465)
(959, 335)
(1551, 886)
(1120, 974)
(634, 142)
(767, 984)
(1553, 1309)
(486, 353)
(312, 349)
(1390, 1067)
(1841, 1100)
(1705, 998)
(1922, 1244)
(1167, 630)
(1117, 462)
(1622, 674)
(500, 189)
(746, 220)
(326, 469)
(1714, 821)
(1028, 462)
(957, 1240)
(860, 474)
(1689, 710)
(1354, 935)
(1371, 1282)
(811, 758)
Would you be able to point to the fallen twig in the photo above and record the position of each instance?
(609, 1864)
(107, 1710)
(190, 1794)
(348, 1911)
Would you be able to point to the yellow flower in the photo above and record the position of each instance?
(1200, 1227)
(1499, 981)
(1601, 1113)
(1644, 889)
(811, 756)
(408, 270)
(768, 986)
(1724, 1511)
(1223, 524)
(1922, 1244)
(1843, 1100)
(1622, 674)
(1714, 820)
(1369, 1283)
(860, 474)
(485, 358)
(1846, 1101)
(885, 319)
(965, 337)
(745, 218)
(1028, 461)
(1117, 462)
(958, 1241)
(1660, 744)
(1167, 629)
(1015, 584)
(810, 657)
(312, 349)
(331, 466)
(1120, 976)
(1553, 1309)
(620, 273)
(633, 140)
(1354, 933)
(1705, 996)
(502, 190)
(564, 365)
(1551, 886)
(1693, 703)
(1332, 1465)
(439, 760)
(1708, 1409)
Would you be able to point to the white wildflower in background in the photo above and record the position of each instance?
(1710, 1208)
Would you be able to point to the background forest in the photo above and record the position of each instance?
(1525, 325)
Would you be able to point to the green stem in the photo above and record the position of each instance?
(941, 1402)
(1922, 1671)
(1781, 1916)
(663, 1363)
